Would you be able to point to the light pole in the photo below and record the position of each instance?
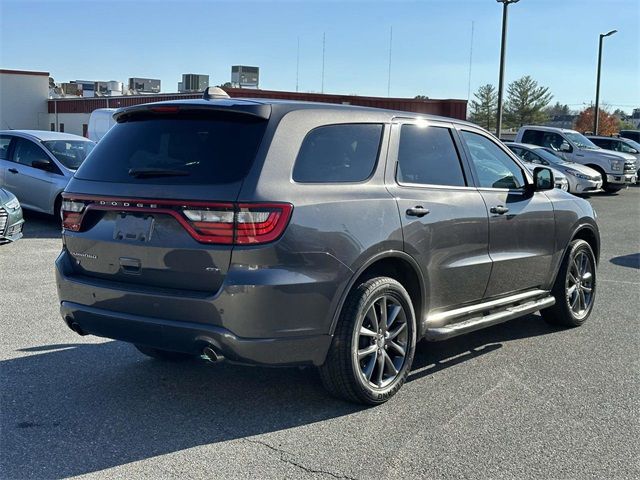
(503, 48)
(597, 108)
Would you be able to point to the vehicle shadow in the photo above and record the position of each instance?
(631, 260)
(432, 357)
(40, 225)
(71, 409)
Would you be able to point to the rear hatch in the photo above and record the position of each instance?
(154, 203)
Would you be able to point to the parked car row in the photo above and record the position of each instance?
(579, 178)
(618, 169)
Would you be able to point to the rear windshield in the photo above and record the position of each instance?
(169, 149)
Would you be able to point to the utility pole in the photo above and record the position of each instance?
(503, 51)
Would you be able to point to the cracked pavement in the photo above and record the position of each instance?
(518, 400)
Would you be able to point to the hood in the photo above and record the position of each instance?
(581, 168)
(611, 155)
(5, 196)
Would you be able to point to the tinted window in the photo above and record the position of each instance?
(494, 167)
(544, 139)
(603, 143)
(338, 153)
(181, 149)
(533, 137)
(27, 152)
(427, 155)
(71, 153)
(4, 147)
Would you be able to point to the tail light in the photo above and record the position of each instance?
(217, 223)
(72, 213)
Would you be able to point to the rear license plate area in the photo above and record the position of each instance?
(134, 228)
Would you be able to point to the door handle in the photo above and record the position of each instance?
(13, 170)
(500, 210)
(417, 211)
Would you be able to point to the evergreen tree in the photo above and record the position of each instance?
(526, 102)
(485, 107)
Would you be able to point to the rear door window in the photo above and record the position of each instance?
(428, 156)
(533, 137)
(185, 149)
(27, 152)
(338, 153)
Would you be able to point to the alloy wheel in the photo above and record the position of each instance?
(579, 284)
(381, 341)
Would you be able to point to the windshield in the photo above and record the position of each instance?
(580, 140)
(633, 144)
(550, 156)
(70, 153)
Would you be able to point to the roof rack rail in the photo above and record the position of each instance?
(211, 93)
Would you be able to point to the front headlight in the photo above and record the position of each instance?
(13, 204)
(576, 174)
(616, 165)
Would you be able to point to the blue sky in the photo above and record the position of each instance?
(554, 41)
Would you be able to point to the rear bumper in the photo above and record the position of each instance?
(192, 338)
(272, 317)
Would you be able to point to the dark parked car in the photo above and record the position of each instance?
(631, 134)
(287, 233)
(11, 220)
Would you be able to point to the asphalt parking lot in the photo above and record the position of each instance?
(518, 400)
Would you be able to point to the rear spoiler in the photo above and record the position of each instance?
(219, 105)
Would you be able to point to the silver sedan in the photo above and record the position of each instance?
(582, 179)
(37, 165)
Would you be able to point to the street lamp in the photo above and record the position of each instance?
(505, 6)
(597, 109)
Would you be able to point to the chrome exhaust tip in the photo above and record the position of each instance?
(210, 354)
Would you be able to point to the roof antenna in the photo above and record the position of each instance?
(211, 93)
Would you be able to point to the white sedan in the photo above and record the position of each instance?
(581, 179)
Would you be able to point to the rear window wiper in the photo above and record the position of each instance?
(157, 172)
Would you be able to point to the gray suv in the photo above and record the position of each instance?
(285, 233)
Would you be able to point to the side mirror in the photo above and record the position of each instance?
(43, 164)
(565, 147)
(542, 179)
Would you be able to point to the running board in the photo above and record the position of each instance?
(473, 324)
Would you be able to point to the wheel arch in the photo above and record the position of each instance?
(590, 235)
(399, 266)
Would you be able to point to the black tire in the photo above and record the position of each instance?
(564, 312)
(165, 355)
(344, 373)
(606, 186)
